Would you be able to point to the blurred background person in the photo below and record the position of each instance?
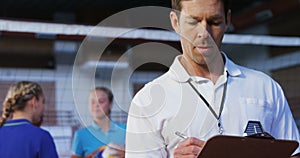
(23, 110)
(103, 137)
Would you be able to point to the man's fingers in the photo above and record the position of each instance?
(192, 141)
(190, 147)
(189, 150)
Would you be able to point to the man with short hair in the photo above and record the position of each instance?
(204, 93)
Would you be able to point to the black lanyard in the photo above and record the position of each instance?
(209, 107)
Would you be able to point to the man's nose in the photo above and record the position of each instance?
(203, 29)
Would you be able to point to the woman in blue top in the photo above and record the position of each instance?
(103, 138)
(23, 107)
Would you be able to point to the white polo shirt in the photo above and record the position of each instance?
(169, 104)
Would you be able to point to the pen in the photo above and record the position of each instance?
(181, 135)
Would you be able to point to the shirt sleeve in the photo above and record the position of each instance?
(148, 144)
(47, 147)
(143, 134)
(77, 145)
(284, 126)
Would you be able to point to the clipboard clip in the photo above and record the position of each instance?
(264, 135)
(254, 130)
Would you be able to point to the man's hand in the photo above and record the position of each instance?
(189, 148)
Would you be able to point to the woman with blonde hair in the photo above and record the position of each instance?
(23, 107)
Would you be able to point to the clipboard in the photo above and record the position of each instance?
(221, 146)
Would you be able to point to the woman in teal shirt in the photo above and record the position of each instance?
(93, 140)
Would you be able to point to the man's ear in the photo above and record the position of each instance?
(228, 19)
(175, 21)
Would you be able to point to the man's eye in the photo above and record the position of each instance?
(192, 22)
(215, 23)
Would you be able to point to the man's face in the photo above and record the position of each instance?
(201, 26)
(99, 104)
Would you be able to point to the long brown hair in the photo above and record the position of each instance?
(17, 97)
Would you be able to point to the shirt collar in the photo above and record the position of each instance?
(178, 73)
(16, 122)
(232, 69)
